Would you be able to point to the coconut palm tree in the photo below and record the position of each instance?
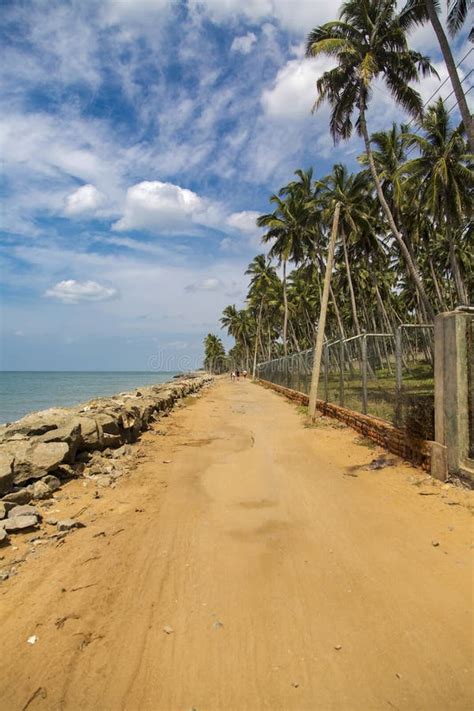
(286, 229)
(369, 42)
(457, 14)
(418, 12)
(214, 354)
(238, 325)
(443, 177)
(263, 276)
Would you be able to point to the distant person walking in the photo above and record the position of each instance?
(244, 373)
(232, 376)
(237, 374)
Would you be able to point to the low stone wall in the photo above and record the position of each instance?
(381, 432)
(45, 447)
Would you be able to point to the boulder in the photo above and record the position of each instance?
(3, 536)
(23, 511)
(3, 510)
(90, 435)
(32, 460)
(6, 471)
(37, 423)
(19, 523)
(111, 434)
(70, 433)
(21, 496)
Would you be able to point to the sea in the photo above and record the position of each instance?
(22, 392)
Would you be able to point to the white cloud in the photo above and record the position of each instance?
(207, 284)
(71, 291)
(244, 221)
(298, 16)
(152, 204)
(85, 199)
(294, 90)
(244, 43)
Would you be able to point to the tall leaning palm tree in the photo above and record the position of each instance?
(418, 12)
(369, 42)
(351, 192)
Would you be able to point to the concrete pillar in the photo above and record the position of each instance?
(450, 453)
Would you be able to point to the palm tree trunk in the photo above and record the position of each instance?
(454, 262)
(439, 294)
(413, 271)
(285, 317)
(351, 286)
(452, 71)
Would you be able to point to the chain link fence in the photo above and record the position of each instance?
(386, 375)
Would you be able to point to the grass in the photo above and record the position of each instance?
(414, 408)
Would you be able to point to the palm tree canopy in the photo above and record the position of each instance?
(444, 168)
(367, 42)
(415, 12)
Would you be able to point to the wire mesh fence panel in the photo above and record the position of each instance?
(389, 376)
(380, 377)
(415, 380)
(350, 353)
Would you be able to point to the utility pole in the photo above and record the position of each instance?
(318, 349)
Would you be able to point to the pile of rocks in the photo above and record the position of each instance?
(45, 448)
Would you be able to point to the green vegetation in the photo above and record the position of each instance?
(402, 252)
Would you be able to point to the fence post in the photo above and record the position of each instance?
(398, 375)
(341, 373)
(364, 375)
(452, 452)
(326, 372)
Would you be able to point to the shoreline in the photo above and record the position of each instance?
(60, 389)
(45, 448)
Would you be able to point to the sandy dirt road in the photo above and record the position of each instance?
(287, 576)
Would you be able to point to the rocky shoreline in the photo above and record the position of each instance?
(43, 450)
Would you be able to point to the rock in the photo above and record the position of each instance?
(435, 544)
(70, 433)
(168, 630)
(338, 647)
(111, 434)
(37, 423)
(90, 436)
(122, 451)
(68, 524)
(6, 471)
(3, 536)
(32, 460)
(3, 510)
(66, 471)
(21, 496)
(51, 521)
(52, 482)
(19, 523)
(23, 511)
(102, 480)
(40, 490)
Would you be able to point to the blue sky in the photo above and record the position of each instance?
(140, 139)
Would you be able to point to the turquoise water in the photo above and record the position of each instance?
(22, 392)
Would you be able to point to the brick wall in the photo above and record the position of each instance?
(381, 432)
